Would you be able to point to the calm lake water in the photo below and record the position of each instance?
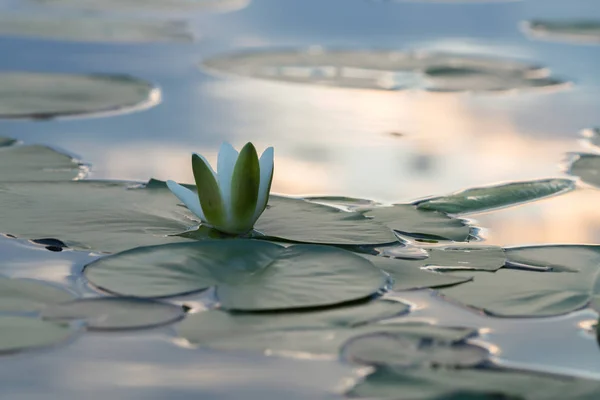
(386, 145)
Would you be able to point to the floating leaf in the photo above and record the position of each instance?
(22, 295)
(345, 203)
(20, 333)
(249, 274)
(587, 167)
(555, 258)
(385, 70)
(98, 215)
(576, 30)
(114, 313)
(571, 286)
(418, 274)
(493, 197)
(50, 95)
(467, 384)
(409, 275)
(421, 224)
(93, 28)
(301, 221)
(319, 333)
(36, 163)
(400, 350)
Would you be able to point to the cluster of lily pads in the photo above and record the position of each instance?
(310, 278)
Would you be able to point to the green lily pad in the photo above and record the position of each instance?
(97, 215)
(345, 203)
(555, 258)
(22, 295)
(571, 285)
(499, 196)
(36, 163)
(5, 141)
(305, 222)
(470, 384)
(587, 167)
(399, 350)
(316, 333)
(407, 220)
(409, 275)
(575, 30)
(94, 28)
(149, 5)
(509, 293)
(20, 333)
(115, 313)
(249, 275)
(387, 70)
(28, 95)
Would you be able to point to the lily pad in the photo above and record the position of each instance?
(555, 258)
(409, 275)
(407, 220)
(21, 333)
(570, 283)
(249, 275)
(587, 167)
(399, 350)
(29, 95)
(493, 197)
(22, 295)
(315, 333)
(301, 221)
(387, 70)
(94, 28)
(37, 163)
(97, 215)
(344, 203)
(463, 384)
(509, 293)
(115, 313)
(149, 5)
(575, 30)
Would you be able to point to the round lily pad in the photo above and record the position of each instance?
(551, 280)
(395, 349)
(23, 295)
(315, 332)
(470, 384)
(249, 274)
(573, 30)
(385, 70)
(97, 215)
(37, 163)
(587, 167)
(494, 197)
(94, 29)
(21, 333)
(29, 95)
(115, 313)
(407, 220)
(302, 221)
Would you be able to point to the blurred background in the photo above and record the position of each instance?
(386, 128)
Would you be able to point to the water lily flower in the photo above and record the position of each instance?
(231, 199)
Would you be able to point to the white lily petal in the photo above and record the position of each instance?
(225, 166)
(187, 197)
(266, 174)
